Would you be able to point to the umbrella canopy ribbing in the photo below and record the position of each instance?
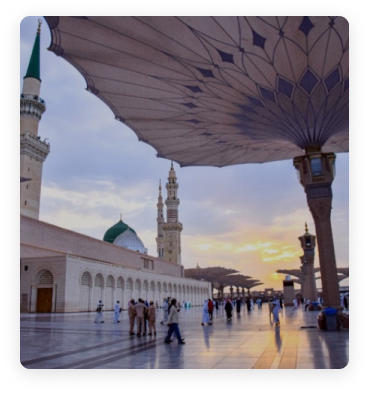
(217, 90)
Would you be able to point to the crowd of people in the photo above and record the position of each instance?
(143, 314)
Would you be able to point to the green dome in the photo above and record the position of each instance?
(112, 233)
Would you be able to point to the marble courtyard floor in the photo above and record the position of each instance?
(250, 341)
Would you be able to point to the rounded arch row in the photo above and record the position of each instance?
(109, 288)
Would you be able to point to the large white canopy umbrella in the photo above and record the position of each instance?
(217, 90)
(226, 90)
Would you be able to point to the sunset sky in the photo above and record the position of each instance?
(246, 217)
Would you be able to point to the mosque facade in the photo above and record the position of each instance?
(66, 271)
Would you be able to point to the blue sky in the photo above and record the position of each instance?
(246, 217)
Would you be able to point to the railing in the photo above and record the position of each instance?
(33, 98)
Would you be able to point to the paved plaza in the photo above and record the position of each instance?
(250, 341)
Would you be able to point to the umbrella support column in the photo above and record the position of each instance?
(316, 173)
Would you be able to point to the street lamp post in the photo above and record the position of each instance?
(316, 172)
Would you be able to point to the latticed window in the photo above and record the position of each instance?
(138, 284)
(175, 288)
(152, 286)
(159, 287)
(129, 284)
(110, 282)
(179, 289)
(120, 283)
(98, 281)
(85, 279)
(164, 287)
(170, 288)
(46, 277)
(146, 286)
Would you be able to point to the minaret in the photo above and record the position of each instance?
(33, 151)
(307, 261)
(172, 228)
(160, 220)
(172, 201)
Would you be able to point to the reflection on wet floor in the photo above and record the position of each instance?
(249, 341)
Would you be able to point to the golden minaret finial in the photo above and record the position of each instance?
(306, 228)
(120, 216)
(39, 26)
(197, 266)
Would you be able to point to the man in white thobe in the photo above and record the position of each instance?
(165, 308)
(205, 314)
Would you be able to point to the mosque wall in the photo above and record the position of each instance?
(28, 251)
(75, 284)
(40, 234)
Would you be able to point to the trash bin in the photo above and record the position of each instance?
(315, 306)
(331, 318)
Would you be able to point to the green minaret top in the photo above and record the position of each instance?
(33, 70)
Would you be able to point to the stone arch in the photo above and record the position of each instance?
(110, 281)
(99, 280)
(120, 282)
(145, 290)
(175, 294)
(98, 290)
(109, 293)
(120, 291)
(159, 293)
(85, 292)
(129, 283)
(152, 291)
(86, 279)
(138, 288)
(170, 290)
(45, 277)
(45, 298)
(129, 289)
